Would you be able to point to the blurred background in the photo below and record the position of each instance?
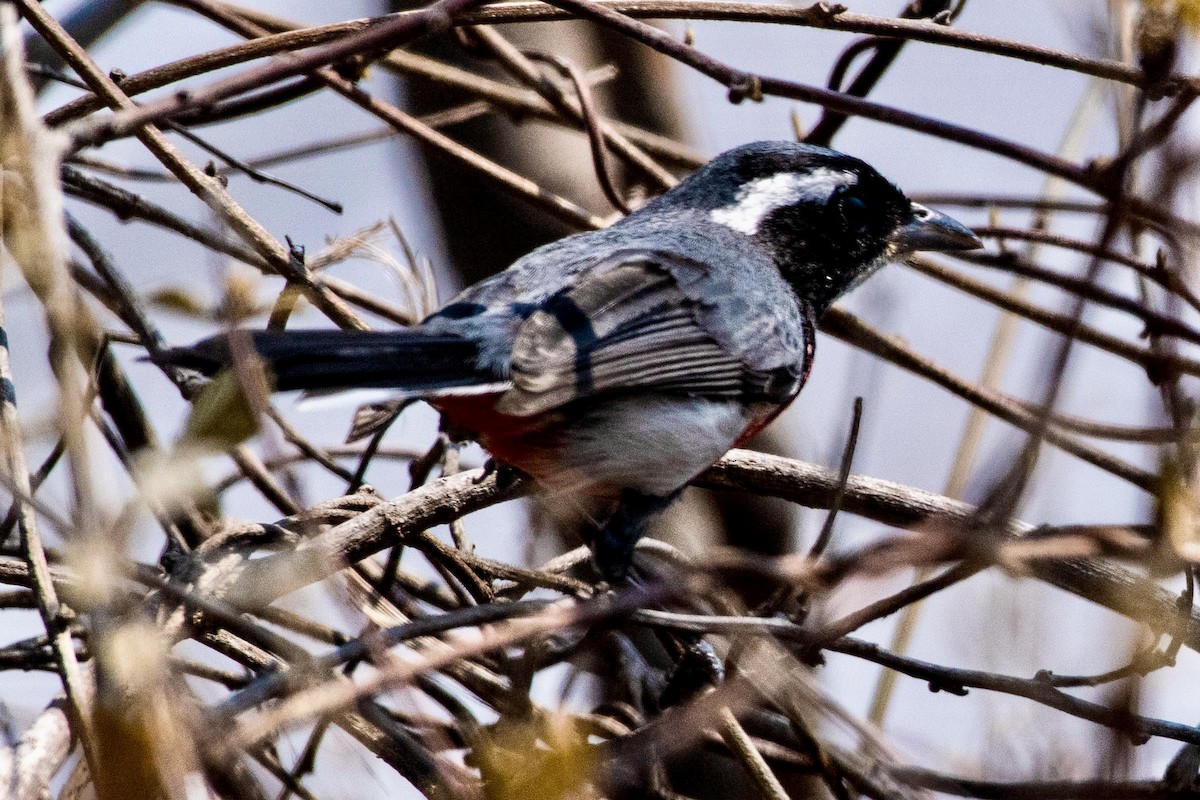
(465, 227)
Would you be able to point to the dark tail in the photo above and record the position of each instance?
(408, 360)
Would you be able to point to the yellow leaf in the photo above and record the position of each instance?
(181, 301)
(547, 758)
(222, 415)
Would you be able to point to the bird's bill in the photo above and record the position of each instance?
(933, 230)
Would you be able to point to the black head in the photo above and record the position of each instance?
(828, 220)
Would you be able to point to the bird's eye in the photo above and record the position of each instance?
(850, 207)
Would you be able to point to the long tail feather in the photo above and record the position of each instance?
(412, 361)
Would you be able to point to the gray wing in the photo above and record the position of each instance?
(640, 321)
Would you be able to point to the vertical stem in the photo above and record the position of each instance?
(34, 237)
(993, 370)
(740, 742)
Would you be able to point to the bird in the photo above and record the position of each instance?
(614, 366)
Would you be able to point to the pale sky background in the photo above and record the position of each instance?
(911, 428)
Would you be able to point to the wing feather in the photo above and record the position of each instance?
(628, 325)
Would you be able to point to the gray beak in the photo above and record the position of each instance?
(933, 230)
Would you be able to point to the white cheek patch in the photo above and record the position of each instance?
(760, 197)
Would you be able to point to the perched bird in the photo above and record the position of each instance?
(614, 366)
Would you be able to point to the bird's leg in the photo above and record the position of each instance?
(507, 476)
(612, 548)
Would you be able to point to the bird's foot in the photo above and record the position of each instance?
(697, 668)
(506, 475)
